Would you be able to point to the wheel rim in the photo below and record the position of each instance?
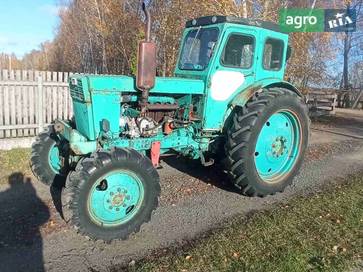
(115, 198)
(278, 146)
(54, 159)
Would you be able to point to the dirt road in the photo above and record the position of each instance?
(194, 200)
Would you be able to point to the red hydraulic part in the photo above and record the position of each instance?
(155, 153)
(168, 127)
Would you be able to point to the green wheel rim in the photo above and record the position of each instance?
(278, 146)
(54, 159)
(115, 198)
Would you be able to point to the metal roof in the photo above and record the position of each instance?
(210, 20)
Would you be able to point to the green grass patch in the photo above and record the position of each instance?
(12, 161)
(321, 232)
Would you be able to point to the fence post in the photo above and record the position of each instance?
(40, 104)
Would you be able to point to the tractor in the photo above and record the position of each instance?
(227, 102)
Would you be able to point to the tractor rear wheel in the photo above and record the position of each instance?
(111, 194)
(266, 142)
(48, 158)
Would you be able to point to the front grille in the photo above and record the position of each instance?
(77, 91)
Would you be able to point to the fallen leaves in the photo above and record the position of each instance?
(338, 249)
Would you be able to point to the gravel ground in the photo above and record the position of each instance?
(194, 199)
(343, 123)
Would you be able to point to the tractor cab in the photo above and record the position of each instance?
(256, 48)
(230, 55)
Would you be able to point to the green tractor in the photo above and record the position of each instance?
(226, 101)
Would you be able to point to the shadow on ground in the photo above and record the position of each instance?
(56, 194)
(21, 219)
(213, 175)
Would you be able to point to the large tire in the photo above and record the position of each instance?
(103, 207)
(45, 165)
(266, 142)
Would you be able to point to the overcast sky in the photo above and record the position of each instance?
(24, 24)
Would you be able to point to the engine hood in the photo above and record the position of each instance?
(163, 85)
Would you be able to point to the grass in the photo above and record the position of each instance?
(15, 160)
(321, 232)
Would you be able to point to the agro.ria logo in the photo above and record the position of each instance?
(340, 20)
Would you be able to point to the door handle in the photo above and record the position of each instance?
(250, 74)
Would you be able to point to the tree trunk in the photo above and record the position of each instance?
(104, 56)
(345, 62)
(244, 8)
(347, 47)
(266, 6)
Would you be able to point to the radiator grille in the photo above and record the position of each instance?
(77, 91)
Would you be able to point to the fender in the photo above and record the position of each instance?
(244, 95)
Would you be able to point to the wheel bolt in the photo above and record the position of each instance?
(117, 209)
(118, 190)
(110, 207)
(128, 197)
(111, 193)
(124, 205)
(108, 201)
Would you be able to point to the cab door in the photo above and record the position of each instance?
(234, 70)
(273, 55)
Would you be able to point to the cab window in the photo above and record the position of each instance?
(198, 48)
(272, 54)
(239, 51)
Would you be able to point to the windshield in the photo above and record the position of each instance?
(198, 48)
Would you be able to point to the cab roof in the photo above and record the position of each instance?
(211, 20)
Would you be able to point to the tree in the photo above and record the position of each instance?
(351, 42)
(101, 36)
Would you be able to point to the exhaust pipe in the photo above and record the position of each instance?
(146, 66)
(148, 22)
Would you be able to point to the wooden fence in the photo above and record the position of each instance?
(29, 100)
(352, 98)
(321, 102)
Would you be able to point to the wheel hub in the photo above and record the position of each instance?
(117, 200)
(279, 146)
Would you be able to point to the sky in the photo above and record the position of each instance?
(24, 24)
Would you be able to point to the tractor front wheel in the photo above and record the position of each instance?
(111, 194)
(266, 142)
(48, 158)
